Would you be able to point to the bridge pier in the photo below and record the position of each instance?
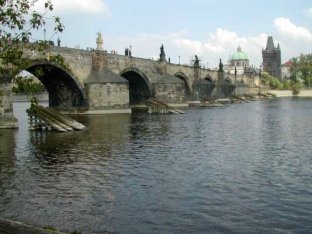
(224, 87)
(7, 119)
(203, 89)
(106, 91)
(169, 89)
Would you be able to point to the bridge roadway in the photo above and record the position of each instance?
(97, 81)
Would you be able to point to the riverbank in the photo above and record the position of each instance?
(14, 227)
(288, 93)
(27, 98)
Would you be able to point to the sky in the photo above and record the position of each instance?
(211, 29)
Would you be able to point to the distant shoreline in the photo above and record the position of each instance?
(288, 93)
(279, 93)
(27, 98)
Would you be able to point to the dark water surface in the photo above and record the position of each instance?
(242, 168)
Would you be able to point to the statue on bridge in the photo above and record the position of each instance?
(162, 51)
(162, 56)
(99, 41)
(221, 66)
(128, 52)
(196, 61)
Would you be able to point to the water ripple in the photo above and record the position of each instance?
(239, 169)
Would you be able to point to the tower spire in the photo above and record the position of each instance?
(272, 58)
(270, 44)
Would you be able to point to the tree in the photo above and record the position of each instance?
(271, 81)
(27, 85)
(301, 70)
(19, 19)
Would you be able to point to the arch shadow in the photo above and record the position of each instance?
(140, 88)
(227, 80)
(203, 88)
(209, 79)
(65, 92)
(184, 78)
(227, 87)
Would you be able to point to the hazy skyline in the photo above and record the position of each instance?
(212, 29)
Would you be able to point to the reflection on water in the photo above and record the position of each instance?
(243, 168)
(7, 153)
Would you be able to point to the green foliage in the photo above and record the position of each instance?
(286, 85)
(301, 70)
(26, 85)
(19, 20)
(271, 81)
(295, 85)
(59, 59)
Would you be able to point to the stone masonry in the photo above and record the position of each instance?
(94, 80)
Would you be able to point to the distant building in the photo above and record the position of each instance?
(286, 69)
(272, 59)
(238, 61)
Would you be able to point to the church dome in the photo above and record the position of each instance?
(239, 55)
(239, 60)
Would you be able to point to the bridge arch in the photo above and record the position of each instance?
(209, 79)
(65, 92)
(227, 87)
(140, 88)
(228, 80)
(184, 78)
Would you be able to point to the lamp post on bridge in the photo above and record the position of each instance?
(179, 59)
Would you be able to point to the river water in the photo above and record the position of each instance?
(241, 168)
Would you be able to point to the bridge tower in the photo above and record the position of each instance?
(272, 59)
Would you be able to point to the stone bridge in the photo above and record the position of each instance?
(95, 81)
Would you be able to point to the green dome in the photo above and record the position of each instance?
(239, 55)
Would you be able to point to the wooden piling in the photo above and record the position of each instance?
(157, 107)
(40, 117)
